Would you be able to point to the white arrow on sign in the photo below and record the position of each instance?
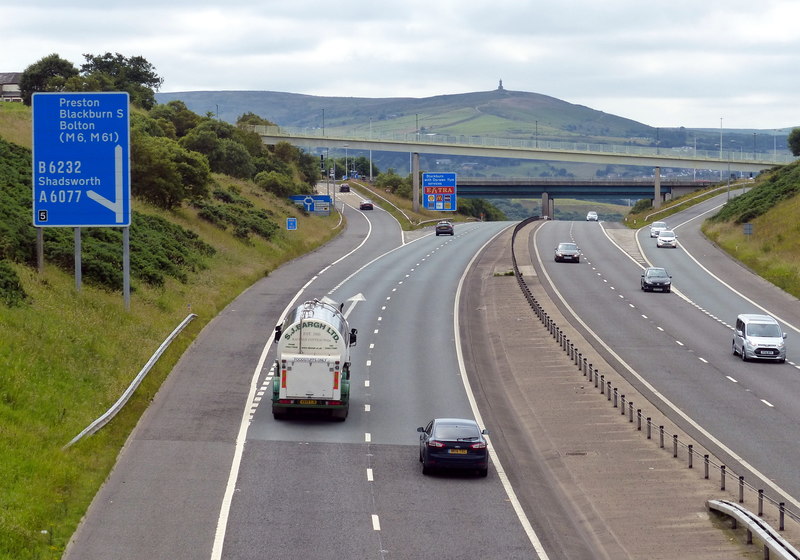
(116, 205)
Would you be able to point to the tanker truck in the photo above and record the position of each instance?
(312, 367)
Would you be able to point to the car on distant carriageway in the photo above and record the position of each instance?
(365, 205)
(344, 187)
(656, 228)
(656, 278)
(667, 238)
(591, 216)
(567, 252)
(444, 227)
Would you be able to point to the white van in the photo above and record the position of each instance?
(759, 337)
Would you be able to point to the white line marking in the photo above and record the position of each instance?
(501, 473)
(731, 378)
(367, 437)
(703, 360)
(369, 475)
(769, 404)
(366, 383)
(376, 523)
(366, 408)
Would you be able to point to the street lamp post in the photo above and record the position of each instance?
(720, 147)
(370, 150)
(323, 122)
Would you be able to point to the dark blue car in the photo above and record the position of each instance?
(453, 443)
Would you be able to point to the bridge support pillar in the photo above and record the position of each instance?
(657, 188)
(415, 182)
(545, 205)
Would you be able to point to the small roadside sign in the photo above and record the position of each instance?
(291, 223)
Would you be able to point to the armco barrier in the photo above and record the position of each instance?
(117, 406)
(753, 524)
(606, 387)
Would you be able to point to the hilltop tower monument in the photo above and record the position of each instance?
(500, 87)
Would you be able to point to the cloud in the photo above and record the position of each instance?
(678, 63)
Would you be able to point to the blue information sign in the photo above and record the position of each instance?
(291, 224)
(81, 159)
(439, 191)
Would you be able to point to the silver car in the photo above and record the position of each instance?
(758, 337)
(667, 238)
(656, 228)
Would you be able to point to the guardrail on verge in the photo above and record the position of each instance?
(772, 541)
(117, 406)
(627, 409)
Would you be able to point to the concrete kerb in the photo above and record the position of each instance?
(642, 415)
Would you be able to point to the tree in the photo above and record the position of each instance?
(134, 75)
(793, 141)
(50, 73)
(178, 114)
(164, 173)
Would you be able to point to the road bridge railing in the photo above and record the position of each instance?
(541, 146)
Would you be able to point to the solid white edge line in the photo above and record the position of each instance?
(780, 491)
(512, 496)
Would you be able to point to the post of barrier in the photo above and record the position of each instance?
(761, 502)
(705, 460)
(722, 477)
(741, 489)
(615, 395)
(585, 363)
(638, 419)
(608, 390)
(782, 513)
(595, 378)
(661, 437)
(602, 383)
(622, 400)
(590, 373)
(675, 445)
(630, 411)
(691, 451)
(649, 427)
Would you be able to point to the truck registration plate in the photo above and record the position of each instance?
(308, 401)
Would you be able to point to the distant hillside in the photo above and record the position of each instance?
(498, 112)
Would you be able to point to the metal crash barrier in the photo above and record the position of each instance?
(773, 542)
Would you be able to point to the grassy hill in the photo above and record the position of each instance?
(500, 112)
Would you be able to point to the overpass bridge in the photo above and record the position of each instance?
(478, 187)
(724, 161)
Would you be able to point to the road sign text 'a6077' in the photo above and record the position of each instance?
(81, 159)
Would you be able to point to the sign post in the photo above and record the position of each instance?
(81, 165)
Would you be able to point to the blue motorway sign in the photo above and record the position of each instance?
(81, 159)
(439, 191)
(315, 203)
(291, 224)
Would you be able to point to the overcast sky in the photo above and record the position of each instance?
(693, 63)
